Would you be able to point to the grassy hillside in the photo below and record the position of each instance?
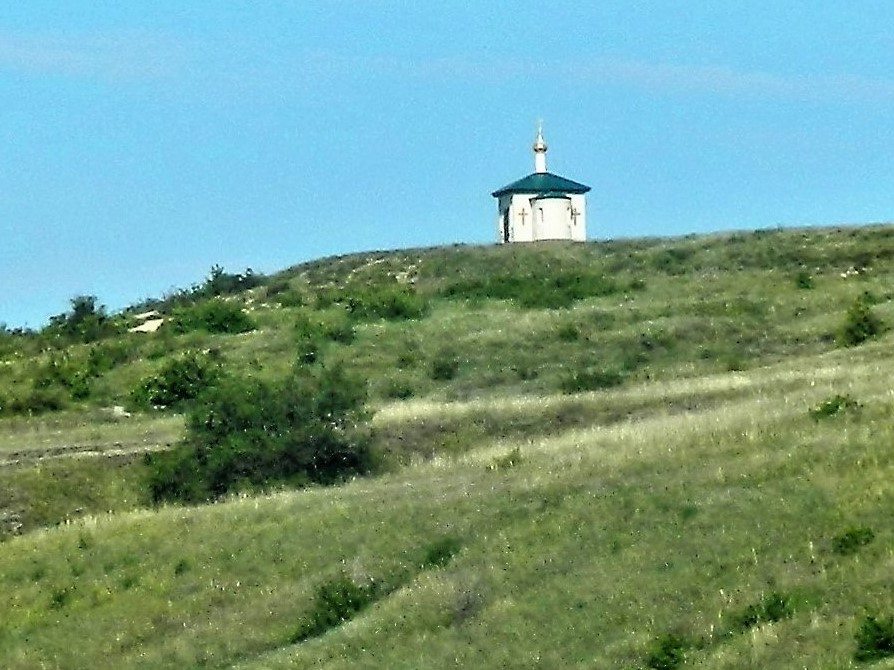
(650, 453)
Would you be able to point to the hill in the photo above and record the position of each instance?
(644, 453)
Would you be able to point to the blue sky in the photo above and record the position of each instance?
(143, 143)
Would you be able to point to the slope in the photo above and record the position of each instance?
(678, 462)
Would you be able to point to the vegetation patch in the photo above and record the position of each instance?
(861, 323)
(314, 329)
(337, 601)
(834, 406)
(853, 540)
(217, 315)
(668, 652)
(804, 280)
(388, 301)
(875, 639)
(590, 379)
(543, 288)
(444, 367)
(86, 321)
(507, 460)
(181, 380)
(771, 608)
(246, 433)
(441, 552)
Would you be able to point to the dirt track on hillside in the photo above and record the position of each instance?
(38, 454)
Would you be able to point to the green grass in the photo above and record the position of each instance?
(598, 541)
(726, 506)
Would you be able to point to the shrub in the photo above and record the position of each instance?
(773, 607)
(860, 324)
(181, 380)
(36, 401)
(669, 653)
(72, 374)
(568, 332)
(540, 288)
(590, 379)
(444, 367)
(212, 316)
(313, 329)
(851, 541)
(318, 327)
(803, 280)
(336, 602)
(86, 321)
(675, 261)
(393, 303)
(508, 460)
(221, 283)
(441, 552)
(399, 390)
(875, 639)
(250, 434)
(834, 405)
(106, 356)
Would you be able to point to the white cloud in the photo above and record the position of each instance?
(729, 81)
(119, 56)
(649, 76)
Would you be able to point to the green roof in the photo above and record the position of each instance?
(541, 183)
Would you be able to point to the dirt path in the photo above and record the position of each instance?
(30, 456)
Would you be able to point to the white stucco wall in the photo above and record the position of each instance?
(552, 218)
(543, 219)
(579, 222)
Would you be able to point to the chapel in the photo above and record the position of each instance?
(541, 206)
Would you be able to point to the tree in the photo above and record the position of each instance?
(86, 321)
(246, 433)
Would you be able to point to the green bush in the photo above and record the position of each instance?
(317, 327)
(851, 541)
(180, 381)
(543, 288)
(772, 607)
(803, 280)
(221, 283)
(444, 367)
(35, 401)
(398, 389)
(834, 405)
(860, 324)
(590, 379)
(388, 302)
(875, 639)
(668, 653)
(249, 434)
(568, 332)
(508, 460)
(72, 372)
(312, 330)
(675, 261)
(336, 602)
(441, 552)
(86, 321)
(212, 316)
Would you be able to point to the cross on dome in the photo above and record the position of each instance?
(539, 150)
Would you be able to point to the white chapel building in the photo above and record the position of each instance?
(541, 206)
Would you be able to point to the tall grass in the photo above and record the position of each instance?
(595, 543)
(725, 504)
